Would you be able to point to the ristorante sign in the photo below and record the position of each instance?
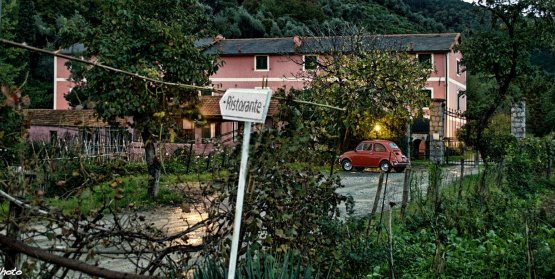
(245, 104)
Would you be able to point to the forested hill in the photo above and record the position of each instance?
(274, 18)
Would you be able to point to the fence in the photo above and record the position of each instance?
(455, 150)
(98, 143)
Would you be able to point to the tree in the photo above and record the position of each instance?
(9, 68)
(138, 37)
(370, 80)
(10, 97)
(501, 54)
(540, 100)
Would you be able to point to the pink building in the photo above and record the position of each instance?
(247, 62)
(283, 62)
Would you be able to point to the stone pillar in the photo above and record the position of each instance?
(437, 129)
(518, 120)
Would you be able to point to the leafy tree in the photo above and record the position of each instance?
(9, 68)
(540, 99)
(370, 82)
(301, 10)
(239, 23)
(455, 15)
(502, 55)
(10, 97)
(138, 37)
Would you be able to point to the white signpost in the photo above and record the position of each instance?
(247, 105)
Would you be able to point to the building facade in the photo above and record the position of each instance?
(282, 63)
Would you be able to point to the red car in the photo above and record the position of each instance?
(382, 154)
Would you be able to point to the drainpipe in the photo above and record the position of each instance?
(445, 132)
(55, 80)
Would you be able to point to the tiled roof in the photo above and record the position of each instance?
(210, 107)
(65, 118)
(441, 42)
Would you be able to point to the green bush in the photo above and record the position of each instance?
(527, 162)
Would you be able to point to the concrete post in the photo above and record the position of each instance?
(437, 129)
(518, 120)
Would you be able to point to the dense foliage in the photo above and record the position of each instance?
(500, 58)
(129, 36)
(503, 229)
(370, 84)
(270, 18)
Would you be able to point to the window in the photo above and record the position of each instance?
(426, 109)
(428, 92)
(261, 63)
(364, 146)
(425, 59)
(205, 93)
(188, 131)
(206, 131)
(378, 147)
(458, 67)
(217, 129)
(310, 62)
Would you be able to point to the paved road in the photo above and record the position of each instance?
(362, 186)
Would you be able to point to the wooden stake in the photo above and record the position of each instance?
(406, 188)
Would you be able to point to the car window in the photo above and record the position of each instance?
(393, 145)
(378, 147)
(364, 146)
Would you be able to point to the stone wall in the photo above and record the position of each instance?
(518, 120)
(437, 107)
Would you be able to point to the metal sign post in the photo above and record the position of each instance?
(248, 105)
(239, 202)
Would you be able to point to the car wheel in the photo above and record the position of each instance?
(400, 169)
(360, 169)
(346, 165)
(385, 166)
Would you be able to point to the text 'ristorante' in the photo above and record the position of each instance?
(236, 104)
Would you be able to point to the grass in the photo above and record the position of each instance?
(130, 192)
(126, 191)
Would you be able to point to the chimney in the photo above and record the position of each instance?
(297, 41)
(219, 38)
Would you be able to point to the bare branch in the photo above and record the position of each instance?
(64, 262)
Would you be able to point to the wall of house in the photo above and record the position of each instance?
(284, 72)
(439, 65)
(437, 81)
(62, 85)
(457, 83)
(42, 133)
(239, 72)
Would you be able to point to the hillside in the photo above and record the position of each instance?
(273, 18)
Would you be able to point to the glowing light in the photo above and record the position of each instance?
(377, 128)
